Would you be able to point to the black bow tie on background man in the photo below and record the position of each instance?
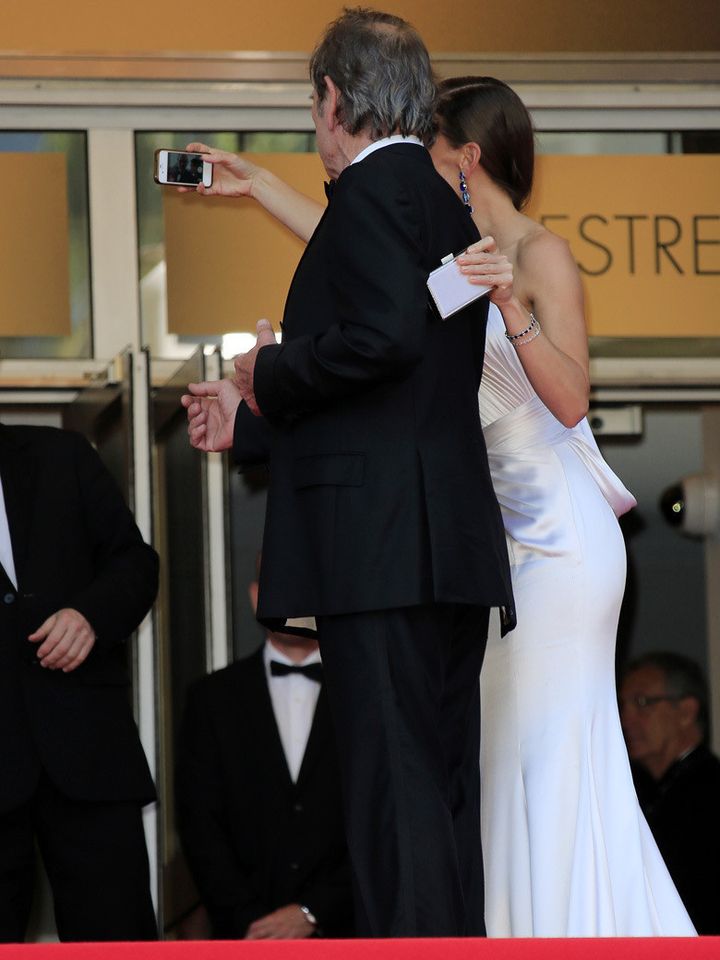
(313, 671)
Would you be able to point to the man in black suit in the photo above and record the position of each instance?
(381, 522)
(76, 580)
(664, 713)
(258, 797)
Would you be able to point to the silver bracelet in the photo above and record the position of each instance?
(530, 337)
(517, 336)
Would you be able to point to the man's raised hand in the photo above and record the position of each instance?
(245, 365)
(211, 407)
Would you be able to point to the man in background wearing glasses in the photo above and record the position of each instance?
(664, 714)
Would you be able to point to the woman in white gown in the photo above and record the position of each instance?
(567, 850)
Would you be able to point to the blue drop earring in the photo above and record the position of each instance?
(464, 193)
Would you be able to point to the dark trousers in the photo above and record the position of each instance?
(96, 861)
(403, 687)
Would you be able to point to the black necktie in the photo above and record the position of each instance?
(313, 671)
(329, 187)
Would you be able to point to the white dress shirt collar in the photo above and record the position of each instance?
(294, 698)
(271, 652)
(385, 142)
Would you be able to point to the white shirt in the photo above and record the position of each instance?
(385, 142)
(6, 554)
(294, 698)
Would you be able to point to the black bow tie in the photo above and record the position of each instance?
(329, 187)
(313, 671)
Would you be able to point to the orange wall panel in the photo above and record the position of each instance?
(34, 251)
(37, 26)
(228, 262)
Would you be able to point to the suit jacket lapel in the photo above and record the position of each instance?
(259, 705)
(19, 477)
(5, 581)
(318, 736)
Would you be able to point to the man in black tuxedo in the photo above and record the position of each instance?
(381, 522)
(664, 713)
(258, 797)
(76, 580)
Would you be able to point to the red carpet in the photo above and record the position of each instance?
(702, 948)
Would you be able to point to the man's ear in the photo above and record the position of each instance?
(330, 103)
(689, 708)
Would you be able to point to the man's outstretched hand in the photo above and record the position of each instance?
(211, 407)
(245, 365)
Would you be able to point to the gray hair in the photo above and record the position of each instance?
(683, 678)
(382, 71)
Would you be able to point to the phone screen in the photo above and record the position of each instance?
(184, 168)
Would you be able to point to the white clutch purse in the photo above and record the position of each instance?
(450, 289)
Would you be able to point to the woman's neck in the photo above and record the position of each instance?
(495, 216)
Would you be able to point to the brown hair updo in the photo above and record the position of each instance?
(488, 112)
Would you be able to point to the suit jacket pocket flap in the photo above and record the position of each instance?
(333, 469)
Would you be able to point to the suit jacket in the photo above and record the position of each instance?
(683, 812)
(256, 841)
(380, 494)
(75, 544)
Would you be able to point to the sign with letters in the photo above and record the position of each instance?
(645, 232)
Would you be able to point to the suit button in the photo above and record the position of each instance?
(294, 865)
(9, 598)
(298, 807)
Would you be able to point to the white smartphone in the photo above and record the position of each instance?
(182, 168)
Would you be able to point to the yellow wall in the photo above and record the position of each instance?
(644, 230)
(101, 26)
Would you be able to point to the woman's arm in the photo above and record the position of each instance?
(235, 176)
(546, 281)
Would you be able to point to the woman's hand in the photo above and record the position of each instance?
(233, 175)
(483, 264)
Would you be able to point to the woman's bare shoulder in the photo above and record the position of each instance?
(540, 251)
(539, 243)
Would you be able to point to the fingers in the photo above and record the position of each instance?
(197, 428)
(489, 262)
(211, 156)
(489, 279)
(488, 269)
(69, 658)
(485, 245)
(197, 415)
(259, 930)
(265, 333)
(66, 638)
(208, 388)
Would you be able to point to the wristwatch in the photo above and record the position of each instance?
(310, 917)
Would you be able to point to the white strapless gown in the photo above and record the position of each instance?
(567, 851)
